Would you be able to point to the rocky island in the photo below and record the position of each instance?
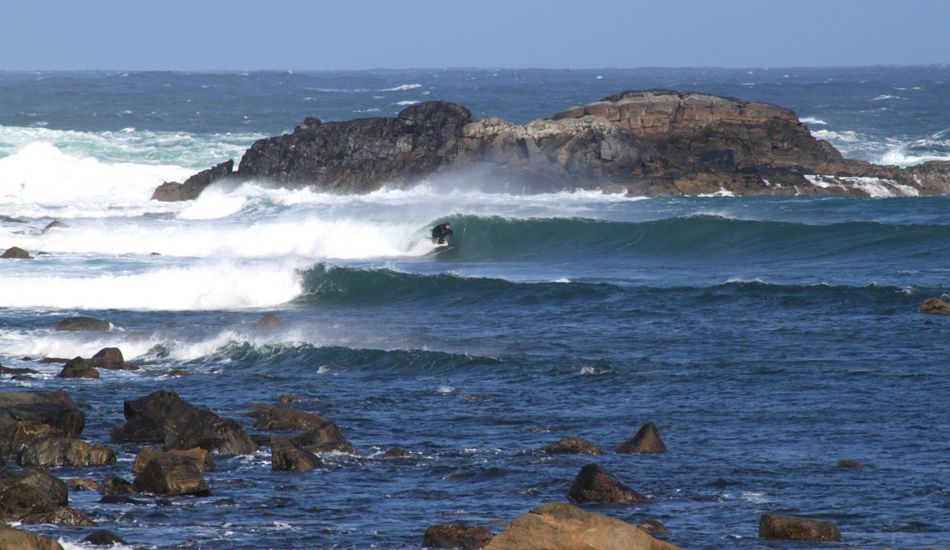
(642, 143)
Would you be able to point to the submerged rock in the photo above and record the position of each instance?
(594, 484)
(572, 446)
(84, 324)
(16, 253)
(773, 526)
(646, 441)
(560, 526)
(269, 322)
(447, 535)
(103, 538)
(288, 457)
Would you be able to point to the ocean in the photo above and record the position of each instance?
(768, 338)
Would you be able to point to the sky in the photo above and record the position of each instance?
(241, 35)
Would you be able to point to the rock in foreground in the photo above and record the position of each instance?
(560, 526)
(23, 540)
(447, 535)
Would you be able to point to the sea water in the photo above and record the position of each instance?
(767, 338)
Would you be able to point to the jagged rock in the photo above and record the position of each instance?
(201, 457)
(285, 419)
(30, 493)
(447, 535)
(645, 441)
(572, 446)
(78, 368)
(115, 485)
(26, 417)
(65, 452)
(171, 475)
(797, 528)
(288, 457)
(193, 186)
(187, 427)
(144, 418)
(12, 538)
(16, 253)
(269, 322)
(594, 484)
(84, 324)
(103, 538)
(560, 526)
(935, 306)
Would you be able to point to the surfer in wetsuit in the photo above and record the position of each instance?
(441, 231)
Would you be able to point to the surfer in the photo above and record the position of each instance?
(441, 231)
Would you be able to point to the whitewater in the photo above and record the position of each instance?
(768, 338)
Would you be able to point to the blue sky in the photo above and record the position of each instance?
(199, 35)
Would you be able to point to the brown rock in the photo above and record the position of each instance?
(288, 399)
(115, 485)
(78, 368)
(16, 253)
(193, 186)
(797, 528)
(288, 457)
(560, 526)
(111, 359)
(572, 446)
(594, 484)
(446, 535)
(61, 516)
(171, 475)
(396, 452)
(82, 484)
(65, 452)
(645, 441)
(285, 419)
(201, 457)
(24, 494)
(11, 538)
(103, 538)
(26, 417)
(84, 324)
(269, 322)
(654, 527)
(935, 306)
(850, 464)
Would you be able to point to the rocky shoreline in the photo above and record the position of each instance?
(41, 432)
(641, 143)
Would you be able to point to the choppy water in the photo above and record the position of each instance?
(768, 338)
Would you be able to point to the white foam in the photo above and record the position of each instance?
(812, 120)
(402, 88)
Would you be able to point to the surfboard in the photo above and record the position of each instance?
(440, 245)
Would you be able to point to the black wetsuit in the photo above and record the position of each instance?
(441, 231)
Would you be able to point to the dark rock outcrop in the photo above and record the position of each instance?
(853, 464)
(83, 324)
(187, 427)
(27, 417)
(773, 526)
(594, 484)
(193, 186)
(456, 535)
(572, 446)
(269, 322)
(396, 452)
(654, 142)
(110, 359)
(935, 306)
(78, 368)
(144, 418)
(646, 441)
(37, 497)
(286, 419)
(172, 476)
(103, 538)
(560, 526)
(65, 452)
(115, 485)
(288, 457)
(16, 253)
